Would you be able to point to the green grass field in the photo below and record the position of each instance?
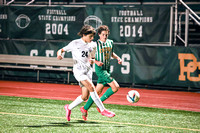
(21, 115)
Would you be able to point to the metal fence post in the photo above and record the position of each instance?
(186, 26)
(176, 21)
(171, 25)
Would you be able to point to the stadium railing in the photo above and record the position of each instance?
(189, 14)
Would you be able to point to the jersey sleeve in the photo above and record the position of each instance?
(69, 47)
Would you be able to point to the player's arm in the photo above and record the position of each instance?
(92, 55)
(92, 58)
(117, 57)
(99, 63)
(68, 48)
(60, 54)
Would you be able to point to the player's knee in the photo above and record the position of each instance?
(84, 98)
(91, 88)
(115, 89)
(99, 92)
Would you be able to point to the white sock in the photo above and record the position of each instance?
(76, 102)
(97, 100)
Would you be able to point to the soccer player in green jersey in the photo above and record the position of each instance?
(104, 52)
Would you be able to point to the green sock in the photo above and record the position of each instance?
(88, 103)
(107, 94)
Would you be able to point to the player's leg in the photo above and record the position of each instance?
(80, 99)
(85, 95)
(84, 109)
(89, 103)
(76, 102)
(90, 86)
(99, 88)
(80, 76)
(114, 87)
(104, 77)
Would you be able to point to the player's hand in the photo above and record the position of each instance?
(99, 63)
(91, 61)
(119, 61)
(59, 55)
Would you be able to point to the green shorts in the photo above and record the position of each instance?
(104, 76)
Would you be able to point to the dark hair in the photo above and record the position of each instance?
(103, 28)
(87, 29)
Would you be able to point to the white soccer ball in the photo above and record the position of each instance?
(133, 96)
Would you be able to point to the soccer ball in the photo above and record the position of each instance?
(133, 96)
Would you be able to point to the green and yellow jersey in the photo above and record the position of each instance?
(104, 52)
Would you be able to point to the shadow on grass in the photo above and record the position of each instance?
(69, 124)
(65, 124)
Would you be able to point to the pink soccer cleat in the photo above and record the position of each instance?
(111, 112)
(107, 113)
(68, 112)
(84, 113)
(107, 110)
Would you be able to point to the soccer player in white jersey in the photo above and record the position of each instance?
(104, 52)
(83, 53)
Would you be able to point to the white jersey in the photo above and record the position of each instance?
(80, 54)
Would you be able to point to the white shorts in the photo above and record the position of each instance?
(82, 73)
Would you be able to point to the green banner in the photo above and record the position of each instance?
(146, 65)
(123, 73)
(32, 48)
(3, 22)
(134, 24)
(168, 66)
(23, 23)
(50, 23)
